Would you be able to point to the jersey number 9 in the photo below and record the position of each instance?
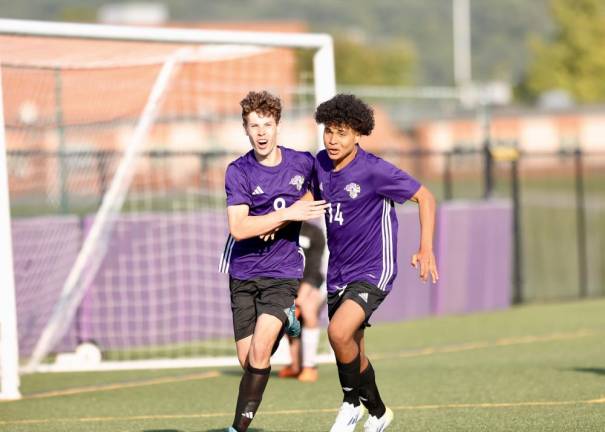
(279, 203)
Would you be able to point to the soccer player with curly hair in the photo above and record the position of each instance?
(361, 226)
(268, 195)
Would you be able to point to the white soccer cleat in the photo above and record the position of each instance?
(375, 424)
(348, 416)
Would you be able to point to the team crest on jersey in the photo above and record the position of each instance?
(297, 181)
(353, 189)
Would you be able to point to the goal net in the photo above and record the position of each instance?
(116, 142)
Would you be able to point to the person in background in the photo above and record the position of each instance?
(309, 302)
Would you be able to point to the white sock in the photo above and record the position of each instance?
(310, 341)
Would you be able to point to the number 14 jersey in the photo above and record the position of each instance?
(361, 222)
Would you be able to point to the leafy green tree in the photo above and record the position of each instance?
(499, 28)
(358, 63)
(78, 14)
(373, 64)
(573, 60)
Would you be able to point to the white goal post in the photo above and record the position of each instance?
(190, 46)
(9, 347)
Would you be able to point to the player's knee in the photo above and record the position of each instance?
(309, 316)
(338, 336)
(260, 354)
(305, 310)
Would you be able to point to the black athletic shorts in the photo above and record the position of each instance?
(366, 295)
(313, 242)
(251, 298)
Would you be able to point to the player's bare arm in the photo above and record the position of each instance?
(271, 234)
(425, 256)
(242, 225)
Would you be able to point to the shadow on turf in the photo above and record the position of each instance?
(596, 371)
(207, 430)
(223, 430)
(163, 430)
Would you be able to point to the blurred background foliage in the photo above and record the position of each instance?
(536, 46)
(500, 28)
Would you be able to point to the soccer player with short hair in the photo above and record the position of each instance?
(361, 226)
(266, 188)
(309, 300)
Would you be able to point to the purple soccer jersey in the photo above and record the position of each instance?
(265, 189)
(361, 222)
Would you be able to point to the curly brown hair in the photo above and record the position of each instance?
(263, 103)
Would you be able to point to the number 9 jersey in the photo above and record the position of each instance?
(361, 222)
(265, 189)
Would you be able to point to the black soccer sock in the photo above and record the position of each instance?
(251, 389)
(348, 373)
(368, 392)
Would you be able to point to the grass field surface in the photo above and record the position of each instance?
(532, 368)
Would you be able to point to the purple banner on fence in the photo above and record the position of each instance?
(159, 282)
(44, 251)
(474, 244)
(473, 253)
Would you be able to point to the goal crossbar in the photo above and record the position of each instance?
(163, 35)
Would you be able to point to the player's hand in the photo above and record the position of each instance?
(269, 236)
(428, 265)
(303, 210)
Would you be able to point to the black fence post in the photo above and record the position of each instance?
(488, 164)
(517, 234)
(203, 168)
(102, 172)
(62, 163)
(581, 224)
(447, 177)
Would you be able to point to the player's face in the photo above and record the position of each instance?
(262, 132)
(339, 141)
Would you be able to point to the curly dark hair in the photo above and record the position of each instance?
(263, 103)
(347, 110)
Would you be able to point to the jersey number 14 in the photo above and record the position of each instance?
(335, 216)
